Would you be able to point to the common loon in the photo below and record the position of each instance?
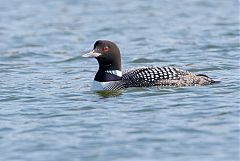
(110, 76)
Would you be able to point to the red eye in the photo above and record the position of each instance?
(106, 49)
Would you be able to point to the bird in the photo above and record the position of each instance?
(110, 76)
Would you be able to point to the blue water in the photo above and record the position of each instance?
(48, 113)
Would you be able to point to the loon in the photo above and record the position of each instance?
(111, 77)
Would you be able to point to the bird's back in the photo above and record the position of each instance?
(162, 76)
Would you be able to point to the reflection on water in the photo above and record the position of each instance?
(106, 94)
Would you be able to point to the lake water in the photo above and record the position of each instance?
(48, 113)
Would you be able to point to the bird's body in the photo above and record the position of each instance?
(110, 76)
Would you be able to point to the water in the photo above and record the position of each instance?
(47, 111)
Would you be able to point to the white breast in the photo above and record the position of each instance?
(99, 86)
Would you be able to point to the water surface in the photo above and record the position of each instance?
(47, 111)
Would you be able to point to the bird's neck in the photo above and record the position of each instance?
(108, 75)
(109, 70)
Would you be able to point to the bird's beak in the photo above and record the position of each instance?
(92, 54)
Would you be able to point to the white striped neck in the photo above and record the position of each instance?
(115, 72)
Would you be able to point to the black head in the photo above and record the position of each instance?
(107, 54)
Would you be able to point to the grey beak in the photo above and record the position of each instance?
(92, 54)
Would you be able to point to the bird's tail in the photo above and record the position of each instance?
(207, 79)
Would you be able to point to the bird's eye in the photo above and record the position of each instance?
(106, 49)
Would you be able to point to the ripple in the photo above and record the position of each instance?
(72, 59)
(213, 68)
(209, 46)
(168, 50)
(145, 60)
(17, 55)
